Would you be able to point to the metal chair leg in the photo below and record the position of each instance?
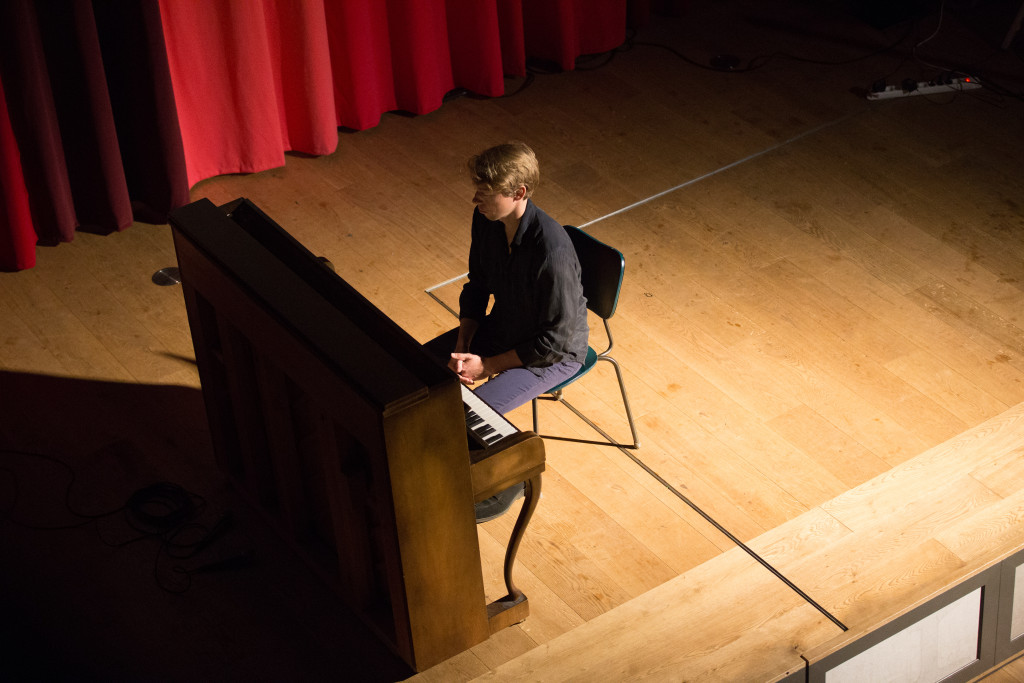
(609, 441)
(625, 399)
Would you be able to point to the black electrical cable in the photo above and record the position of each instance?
(7, 511)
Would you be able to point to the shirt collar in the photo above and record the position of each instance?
(526, 222)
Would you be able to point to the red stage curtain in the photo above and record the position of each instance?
(407, 54)
(119, 106)
(476, 44)
(33, 118)
(562, 30)
(513, 46)
(251, 81)
(83, 86)
(361, 62)
(17, 238)
(142, 101)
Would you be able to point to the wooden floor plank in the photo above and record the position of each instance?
(711, 464)
(927, 331)
(847, 459)
(996, 528)
(1002, 473)
(948, 389)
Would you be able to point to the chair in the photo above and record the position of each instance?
(602, 268)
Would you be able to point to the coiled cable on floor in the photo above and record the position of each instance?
(160, 508)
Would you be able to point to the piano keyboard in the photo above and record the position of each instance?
(486, 425)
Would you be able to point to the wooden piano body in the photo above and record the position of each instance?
(340, 427)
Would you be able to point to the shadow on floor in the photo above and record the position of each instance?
(127, 557)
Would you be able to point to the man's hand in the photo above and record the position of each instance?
(468, 366)
(471, 367)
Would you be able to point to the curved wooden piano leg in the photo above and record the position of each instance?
(514, 608)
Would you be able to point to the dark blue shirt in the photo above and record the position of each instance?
(539, 308)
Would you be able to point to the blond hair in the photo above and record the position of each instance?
(504, 168)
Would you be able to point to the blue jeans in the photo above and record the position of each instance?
(511, 388)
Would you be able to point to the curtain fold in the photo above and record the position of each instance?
(475, 42)
(142, 102)
(88, 108)
(419, 53)
(251, 81)
(302, 75)
(85, 117)
(513, 46)
(361, 64)
(33, 117)
(561, 30)
(115, 108)
(389, 55)
(17, 238)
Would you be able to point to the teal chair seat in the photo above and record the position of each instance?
(588, 364)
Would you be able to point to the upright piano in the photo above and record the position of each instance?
(348, 435)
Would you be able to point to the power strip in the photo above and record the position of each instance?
(925, 88)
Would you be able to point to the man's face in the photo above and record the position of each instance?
(492, 205)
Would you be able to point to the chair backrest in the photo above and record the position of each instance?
(602, 268)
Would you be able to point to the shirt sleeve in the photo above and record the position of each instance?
(476, 292)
